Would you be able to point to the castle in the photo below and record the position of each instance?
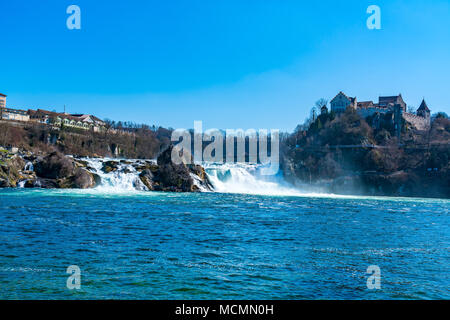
(394, 106)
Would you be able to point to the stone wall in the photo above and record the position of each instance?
(420, 123)
(366, 112)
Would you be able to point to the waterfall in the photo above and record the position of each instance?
(124, 178)
(247, 179)
(225, 178)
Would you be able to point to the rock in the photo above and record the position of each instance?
(54, 166)
(146, 177)
(171, 176)
(109, 166)
(84, 179)
(42, 183)
(125, 170)
(4, 183)
(10, 167)
(177, 177)
(200, 172)
(147, 166)
(81, 163)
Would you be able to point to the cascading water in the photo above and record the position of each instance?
(225, 178)
(246, 178)
(124, 178)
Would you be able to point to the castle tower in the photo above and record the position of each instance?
(423, 110)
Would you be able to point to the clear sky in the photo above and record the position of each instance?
(231, 64)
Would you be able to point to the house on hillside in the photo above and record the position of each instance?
(341, 102)
(92, 121)
(79, 121)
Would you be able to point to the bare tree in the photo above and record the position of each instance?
(321, 102)
(411, 109)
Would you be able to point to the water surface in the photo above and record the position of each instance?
(149, 245)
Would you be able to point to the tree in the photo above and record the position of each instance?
(321, 102)
(439, 115)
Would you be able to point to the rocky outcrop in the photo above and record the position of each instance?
(146, 177)
(56, 170)
(54, 166)
(168, 176)
(81, 179)
(10, 169)
(396, 184)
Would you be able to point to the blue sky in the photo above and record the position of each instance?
(231, 64)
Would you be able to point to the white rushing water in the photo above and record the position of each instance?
(240, 178)
(125, 178)
(247, 179)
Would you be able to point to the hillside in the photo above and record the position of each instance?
(130, 142)
(348, 154)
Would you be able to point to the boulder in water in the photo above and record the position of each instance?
(146, 177)
(84, 179)
(42, 183)
(54, 166)
(109, 166)
(178, 177)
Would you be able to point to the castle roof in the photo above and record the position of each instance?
(365, 104)
(341, 93)
(2, 95)
(423, 106)
(384, 101)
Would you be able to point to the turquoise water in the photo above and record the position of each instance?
(221, 246)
